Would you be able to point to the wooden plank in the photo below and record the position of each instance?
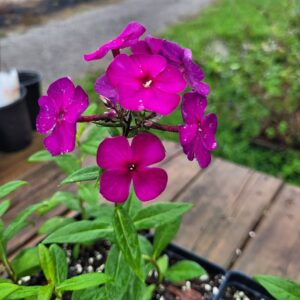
(276, 247)
(15, 165)
(228, 201)
(180, 173)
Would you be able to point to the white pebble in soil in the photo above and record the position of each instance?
(90, 269)
(204, 277)
(78, 268)
(215, 290)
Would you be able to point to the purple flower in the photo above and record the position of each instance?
(59, 111)
(197, 136)
(146, 82)
(126, 38)
(177, 56)
(123, 163)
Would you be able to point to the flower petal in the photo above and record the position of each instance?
(172, 51)
(149, 183)
(115, 185)
(124, 72)
(147, 149)
(188, 149)
(140, 47)
(170, 80)
(127, 37)
(62, 139)
(114, 153)
(193, 107)
(203, 156)
(61, 91)
(78, 104)
(132, 99)
(187, 133)
(159, 101)
(104, 88)
(46, 118)
(149, 64)
(209, 130)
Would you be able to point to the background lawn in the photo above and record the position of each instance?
(250, 52)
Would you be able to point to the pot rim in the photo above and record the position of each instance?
(34, 77)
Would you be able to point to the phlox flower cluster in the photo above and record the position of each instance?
(147, 78)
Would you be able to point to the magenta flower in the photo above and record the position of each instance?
(197, 136)
(177, 56)
(59, 111)
(123, 163)
(126, 38)
(146, 82)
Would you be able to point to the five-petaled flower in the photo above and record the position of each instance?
(146, 82)
(59, 111)
(197, 135)
(123, 163)
(126, 38)
(179, 57)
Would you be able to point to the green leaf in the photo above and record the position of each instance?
(45, 292)
(145, 245)
(4, 206)
(184, 270)
(41, 155)
(94, 293)
(127, 240)
(7, 289)
(164, 235)
(24, 292)
(133, 205)
(53, 224)
(20, 222)
(83, 282)
(47, 263)
(84, 174)
(65, 198)
(159, 214)
(89, 193)
(10, 187)
(148, 294)
(117, 268)
(26, 262)
(136, 289)
(81, 232)
(60, 263)
(103, 212)
(68, 163)
(91, 143)
(163, 264)
(280, 288)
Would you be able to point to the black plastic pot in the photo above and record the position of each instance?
(31, 80)
(15, 126)
(243, 283)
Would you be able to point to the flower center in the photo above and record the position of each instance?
(61, 116)
(200, 127)
(131, 167)
(148, 83)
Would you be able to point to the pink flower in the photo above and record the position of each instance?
(177, 56)
(126, 38)
(123, 163)
(59, 111)
(146, 82)
(197, 136)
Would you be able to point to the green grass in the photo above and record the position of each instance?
(250, 52)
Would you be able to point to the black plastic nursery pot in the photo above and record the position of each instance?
(15, 126)
(31, 80)
(216, 274)
(240, 286)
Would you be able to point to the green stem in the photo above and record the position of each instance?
(82, 209)
(9, 269)
(154, 263)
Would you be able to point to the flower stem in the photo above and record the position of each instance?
(102, 117)
(115, 52)
(9, 269)
(169, 128)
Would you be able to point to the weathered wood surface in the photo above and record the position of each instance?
(230, 201)
(276, 246)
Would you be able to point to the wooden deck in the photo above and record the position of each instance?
(242, 219)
